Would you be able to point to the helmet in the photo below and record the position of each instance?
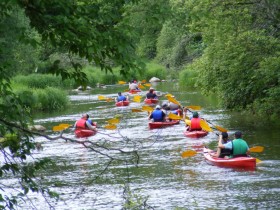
(195, 114)
(158, 107)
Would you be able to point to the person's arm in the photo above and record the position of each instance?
(91, 127)
(220, 144)
(150, 116)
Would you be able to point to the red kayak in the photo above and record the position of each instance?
(238, 162)
(81, 133)
(153, 125)
(122, 103)
(195, 134)
(151, 101)
(134, 91)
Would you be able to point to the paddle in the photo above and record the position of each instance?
(148, 85)
(188, 153)
(110, 126)
(173, 100)
(137, 98)
(103, 98)
(174, 116)
(121, 82)
(114, 121)
(256, 149)
(141, 86)
(147, 108)
(136, 110)
(204, 125)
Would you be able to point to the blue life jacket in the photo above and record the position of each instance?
(157, 115)
(121, 98)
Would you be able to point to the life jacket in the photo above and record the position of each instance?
(239, 148)
(121, 98)
(195, 124)
(81, 124)
(157, 115)
(151, 96)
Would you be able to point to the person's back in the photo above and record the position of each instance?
(121, 97)
(240, 148)
(133, 86)
(157, 115)
(195, 122)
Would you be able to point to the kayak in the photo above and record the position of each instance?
(195, 134)
(238, 162)
(151, 101)
(84, 133)
(134, 91)
(122, 103)
(153, 125)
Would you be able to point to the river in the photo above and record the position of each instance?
(162, 177)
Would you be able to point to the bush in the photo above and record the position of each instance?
(50, 99)
(187, 78)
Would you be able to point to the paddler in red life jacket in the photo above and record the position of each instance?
(84, 123)
(195, 123)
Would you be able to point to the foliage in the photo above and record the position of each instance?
(188, 77)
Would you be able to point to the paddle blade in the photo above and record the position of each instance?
(109, 99)
(219, 128)
(173, 100)
(65, 125)
(258, 160)
(141, 86)
(174, 116)
(143, 81)
(204, 125)
(102, 98)
(137, 98)
(110, 127)
(188, 153)
(188, 122)
(148, 85)
(147, 108)
(136, 110)
(114, 121)
(168, 94)
(194, 107)
(256, 149)
(121, 82)
(58, 128)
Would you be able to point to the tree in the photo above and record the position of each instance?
(94, 30)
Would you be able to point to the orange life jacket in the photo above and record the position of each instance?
(195, 124)
(81, 124)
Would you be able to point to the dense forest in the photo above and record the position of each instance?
(229, 48)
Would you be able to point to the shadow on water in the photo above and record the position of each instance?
(168, 180)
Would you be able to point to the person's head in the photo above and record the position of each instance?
(158, 107)
(151, 89)
(225, 136)
(195, 114)
(85, 116)
(119, 93)
(238, 134)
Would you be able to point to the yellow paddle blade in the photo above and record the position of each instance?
(137, 100)
(143, 81)
(102, 98)
(148, 85)
(173, 100)
(64, 125)
(204, 125)
(110, 127)
(141, 86)
(188, 153)
(187, 118)
(188, 122)
(194, 107)
(114, 121)
(147, 108)
(109, 99)
(219, 128)
(58, 128)
(121, 82)
(136, 110)
(126, 90)
(256, 149)
(168, 94)
(258, 160)
(174, 116)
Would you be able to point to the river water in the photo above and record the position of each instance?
(162, 177)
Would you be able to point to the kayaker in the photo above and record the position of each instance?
(222, 152)
(238, 147)
(170, 105)
(133, 85)
(120, 97)
(151, 94)
(195, 123)
(84, 123)
(157, 115)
